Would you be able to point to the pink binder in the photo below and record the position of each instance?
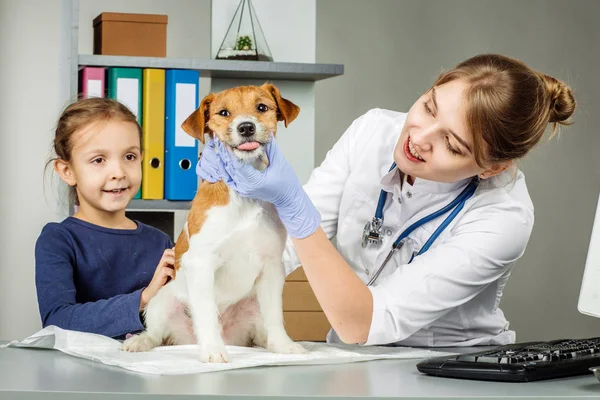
(92, 82)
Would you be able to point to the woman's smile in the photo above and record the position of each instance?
(411, 153)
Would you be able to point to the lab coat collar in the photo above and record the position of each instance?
(395, 179)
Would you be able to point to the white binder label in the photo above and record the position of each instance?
(185, 104)
(95, 88)
(127, 93)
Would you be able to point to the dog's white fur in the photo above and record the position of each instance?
(230, 281)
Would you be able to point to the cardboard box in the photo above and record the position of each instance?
(306, 325)
(125, 34)
(303, 317)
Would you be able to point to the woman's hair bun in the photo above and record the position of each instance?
(562, 102)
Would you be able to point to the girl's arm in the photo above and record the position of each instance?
(56, 293)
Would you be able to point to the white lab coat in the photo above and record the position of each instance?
(449, 295)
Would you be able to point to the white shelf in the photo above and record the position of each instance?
(222, 68)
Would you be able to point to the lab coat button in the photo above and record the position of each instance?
(408, 194)
(389, 233)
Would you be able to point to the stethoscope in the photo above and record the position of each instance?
(372, 232)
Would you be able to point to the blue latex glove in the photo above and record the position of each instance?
(277, 184)
(208, 164)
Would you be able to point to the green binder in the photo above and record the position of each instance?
(125, 86)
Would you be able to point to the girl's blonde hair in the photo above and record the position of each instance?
(509, 105)
(79, 115)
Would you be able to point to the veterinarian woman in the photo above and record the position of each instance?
(457, 147)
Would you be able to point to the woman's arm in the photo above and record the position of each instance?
(344, 298)
(327, 182)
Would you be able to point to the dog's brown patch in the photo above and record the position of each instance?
(209, 195)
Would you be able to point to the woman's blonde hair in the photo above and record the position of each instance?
(509, 105)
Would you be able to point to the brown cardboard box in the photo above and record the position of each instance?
(124, 34)
(306, 325)
(303, 317)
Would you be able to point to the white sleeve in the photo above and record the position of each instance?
(326, 183)
(480, 251)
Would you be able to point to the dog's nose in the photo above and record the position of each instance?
(246, 129)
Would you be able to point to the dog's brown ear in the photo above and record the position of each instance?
(286, 110)
(196, 124)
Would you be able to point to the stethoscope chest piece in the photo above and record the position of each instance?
(372, 232)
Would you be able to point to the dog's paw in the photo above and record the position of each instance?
(137, 343)
(213, 353)
(287, 347)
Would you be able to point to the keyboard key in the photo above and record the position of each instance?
(489, 359)
(467, 357)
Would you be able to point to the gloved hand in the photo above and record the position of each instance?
(277, 184)
(208, 164)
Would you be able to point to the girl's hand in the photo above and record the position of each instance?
(163, 273)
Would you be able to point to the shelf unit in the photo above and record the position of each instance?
(223, 69)
(208, 68)
(304, 318)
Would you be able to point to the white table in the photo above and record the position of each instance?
(49, 374)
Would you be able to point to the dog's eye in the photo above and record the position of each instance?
(224, 113)
(262, 107)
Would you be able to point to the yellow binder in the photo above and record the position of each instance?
(153, 138)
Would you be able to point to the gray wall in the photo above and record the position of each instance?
(33, 76)
(393, 49)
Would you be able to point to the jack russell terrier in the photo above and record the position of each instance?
(229, 272)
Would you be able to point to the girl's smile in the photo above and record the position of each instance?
(117, 193)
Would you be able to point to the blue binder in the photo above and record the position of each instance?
(181, 149)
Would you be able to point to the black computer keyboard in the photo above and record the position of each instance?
(520, 362)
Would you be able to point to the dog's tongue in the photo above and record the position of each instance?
(248, 146)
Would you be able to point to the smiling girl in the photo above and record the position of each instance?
(96, 270)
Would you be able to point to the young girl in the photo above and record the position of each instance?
(413, 276)
(96, 270)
